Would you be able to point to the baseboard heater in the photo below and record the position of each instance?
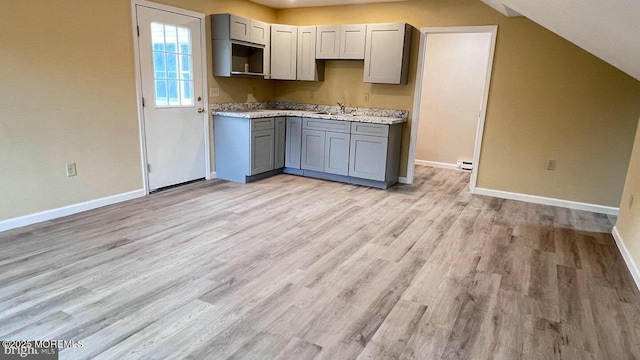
(464, 165)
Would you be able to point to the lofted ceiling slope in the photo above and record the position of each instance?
(609, 29)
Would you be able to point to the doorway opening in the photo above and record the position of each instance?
(452, 88)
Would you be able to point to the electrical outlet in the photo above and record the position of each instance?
(366, 97)
(551, 164)
(214, 92)
(630, 201)
(71, 169)
(310, 94)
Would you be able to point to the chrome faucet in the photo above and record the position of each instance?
(343, 109)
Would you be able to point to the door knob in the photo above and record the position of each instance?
(200, 110)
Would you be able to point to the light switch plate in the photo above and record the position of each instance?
(214, 92)
(551, 164)
(71, 169)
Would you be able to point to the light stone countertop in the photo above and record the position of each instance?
(262, 113)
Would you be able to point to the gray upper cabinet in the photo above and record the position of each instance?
(328, 42)
(234, 27)
(240, 46)
(352, 41)
(308, 68)
(293, 146)
(260, 32)
(387, 48)
(341, 42)
(279, 142)
(239, 28)
(284, 40)
(252, 48)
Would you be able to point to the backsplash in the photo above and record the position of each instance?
(308, 107)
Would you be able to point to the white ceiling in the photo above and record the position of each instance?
(283, 4)
(502, 8)
(608, 29)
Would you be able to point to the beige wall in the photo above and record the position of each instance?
(628, 224)
(67, 94)
(548, 100)
(453, 84)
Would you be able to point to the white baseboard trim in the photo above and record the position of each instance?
(437, 164)
(403, 180)
(213, 175)
(68, 210)
(631, 265)
(548, 201)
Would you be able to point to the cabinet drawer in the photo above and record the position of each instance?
(261, 124)
(327, 125)
(369, 129)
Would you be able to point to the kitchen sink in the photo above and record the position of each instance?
(331, 113)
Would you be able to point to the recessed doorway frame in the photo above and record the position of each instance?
(415, 119)
(138, 75)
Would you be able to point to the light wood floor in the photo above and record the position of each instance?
(295, 268)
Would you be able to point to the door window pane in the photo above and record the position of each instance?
(172, 65)
(161, 93)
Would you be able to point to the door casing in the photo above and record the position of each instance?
(424, 32)
(138, 73)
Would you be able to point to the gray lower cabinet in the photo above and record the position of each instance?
(244, 148)
(354, 152)
(368, 157)
(325, 146)
(375, 152)
(336, 153)
(312, 155)
(279, 142)
(262, 144)
(293, 146)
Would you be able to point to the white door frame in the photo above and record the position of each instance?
(205, 98)
(493, 30)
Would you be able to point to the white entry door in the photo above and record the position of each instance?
(170, 49)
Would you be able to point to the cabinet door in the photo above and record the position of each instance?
(352, 39)
(260, 32)
(368, 157)
(283, 52)
(313, 150)
(328, 42)
(336, 153)
(293, 145)
(279, 142)
(239, 28)
(386, 53)
(262, 151)
(307, 53)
